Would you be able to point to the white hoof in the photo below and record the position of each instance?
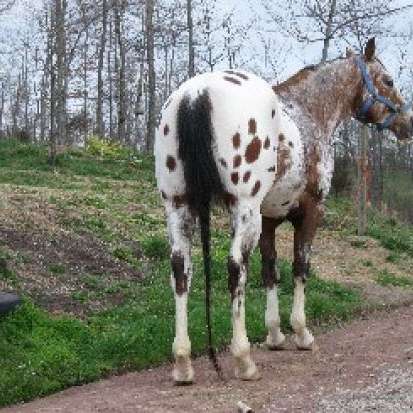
(275, 343)
(183, 373)
(247, 370)
(304, 341)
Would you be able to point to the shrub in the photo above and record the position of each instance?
(156, 247)
(106, 148)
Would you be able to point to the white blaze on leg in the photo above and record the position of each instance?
(275, 338)
(247, 231)
(240, 343)
(181, 280)
(303, 338)
(183, 372)
(182, 346)
(240, 346)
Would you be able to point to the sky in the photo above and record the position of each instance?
(285, 53)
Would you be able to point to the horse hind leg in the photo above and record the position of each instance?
(180, 227)
(271, 278)
(246, 225)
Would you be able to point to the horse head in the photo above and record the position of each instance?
(379, 102)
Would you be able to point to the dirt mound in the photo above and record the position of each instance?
(49, 267)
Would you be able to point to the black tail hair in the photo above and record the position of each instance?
(203, 184)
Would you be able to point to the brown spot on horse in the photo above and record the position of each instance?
(246, 177)
(178, 271)
(256, 188)
(170, 163)
(166, 129)
(236, 140)
(253, 150)
(232, 80)
(179, 200)
(234, 271)
(241, 75)
(283, 160)
(237, 161)
(223, 162)
(252, 126)
(235, 178)
(163, 195)
(267, 143)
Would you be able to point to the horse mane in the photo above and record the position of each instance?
(302, 74)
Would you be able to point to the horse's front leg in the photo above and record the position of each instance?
(305, 225)
(246, 222)
(180, 226)
(271, 278)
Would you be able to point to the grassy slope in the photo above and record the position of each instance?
(41, 353)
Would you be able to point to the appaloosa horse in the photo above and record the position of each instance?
(267, 153)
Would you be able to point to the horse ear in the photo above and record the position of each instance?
(349, 52)
(370, 49)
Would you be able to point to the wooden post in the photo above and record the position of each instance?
(362, 180)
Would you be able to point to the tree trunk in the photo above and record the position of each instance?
(60, 33)
(100, 126)
(150, 55)
(362, 180)
(51, 52)
(2, 109)
(110, 82)
(119, 12)
(377, 178)
(327, 38)
(85, 91)
(191, 52)
(26, 92)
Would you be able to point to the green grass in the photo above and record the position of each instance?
(398, 193)
(116, 201)
(392, 234)
(24, 164)
(385, 279)
(46, 354)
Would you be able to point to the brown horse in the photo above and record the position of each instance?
(269, 156)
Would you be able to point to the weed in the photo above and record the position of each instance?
(385, 278)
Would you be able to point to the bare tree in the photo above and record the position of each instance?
(100, 126)
(191, 52)
(150, 55)
(314, 21)
(119, 13)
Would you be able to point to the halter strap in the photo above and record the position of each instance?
(373, 97)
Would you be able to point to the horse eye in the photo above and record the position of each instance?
(389, 82)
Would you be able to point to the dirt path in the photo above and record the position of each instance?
(349, 359)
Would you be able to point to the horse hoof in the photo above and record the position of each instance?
(183, 378)
(250, 373)
(183, 373)
(304, 342)
(275, 344)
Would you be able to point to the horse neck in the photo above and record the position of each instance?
(325, 96)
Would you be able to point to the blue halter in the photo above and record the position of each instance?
(373, 97)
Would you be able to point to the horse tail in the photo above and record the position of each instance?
(203, 183)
